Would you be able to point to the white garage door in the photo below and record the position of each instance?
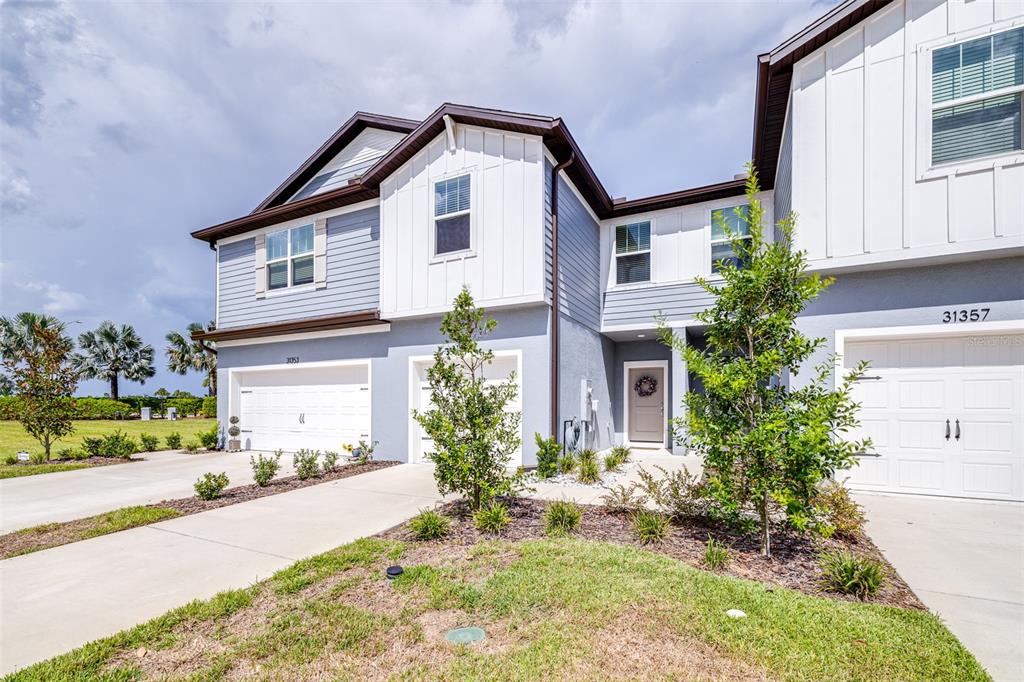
(945, 414)
(315, 408)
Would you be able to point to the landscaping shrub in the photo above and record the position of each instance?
(589, 470)
(548, 451)
(306, 464)
(845, 572)
(621, 499)
(118, 444)
(71, 453)
(149, 443)
(210, 438)
(173, 440)
(265, 467)
(429, 525)
(192, 446)
(650, 526)
(101, 408)
(37, 458)
(209, 407)
(10, 460)
(677, 494)
(618, 456)
(562, 517)
(493, 518)
(716, 555)
(93, 446)
(210, 486)
(366, 451)
(567, 462)
(837, 511)
(330, 461)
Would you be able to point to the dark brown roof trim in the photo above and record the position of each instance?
(310, 324)
(359, 122)
(721, 190)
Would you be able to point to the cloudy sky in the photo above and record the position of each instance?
(126, 126)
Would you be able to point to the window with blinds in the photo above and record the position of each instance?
(977, 96)
(452, 215)
(633, 253)
(290, 257)
(727, 223)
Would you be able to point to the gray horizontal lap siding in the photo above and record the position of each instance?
(579, 260)
(353, 276)
(639, 306)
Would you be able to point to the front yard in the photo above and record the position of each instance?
(13, 438)
(551, 609)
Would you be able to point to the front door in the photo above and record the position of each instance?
(646, 405)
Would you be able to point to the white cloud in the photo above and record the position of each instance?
(53, 298)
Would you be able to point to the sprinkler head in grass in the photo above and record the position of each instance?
(470, 635)
(735, 613)
(393, 572)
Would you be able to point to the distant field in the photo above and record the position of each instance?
(13, 437)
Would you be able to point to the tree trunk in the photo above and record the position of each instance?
(211, 383)
(113, 387)
(46, 446)
(766, 540)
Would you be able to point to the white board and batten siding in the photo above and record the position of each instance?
(355, 159)
(505, 264)
(862, 181)
(680, 251)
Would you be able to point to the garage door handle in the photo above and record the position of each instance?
(871, 378)
(947, 429)
(958, 429)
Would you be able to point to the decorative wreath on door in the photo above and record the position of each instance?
(645, 386)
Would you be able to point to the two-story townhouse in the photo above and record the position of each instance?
(885, 125)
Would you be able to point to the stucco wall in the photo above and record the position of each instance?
(585, 354)
(389, 352)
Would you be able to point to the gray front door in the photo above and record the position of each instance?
(647, 411)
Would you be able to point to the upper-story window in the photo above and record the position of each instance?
(977, 97)
(290, 257)
(451, 215)
(633, 253)
(733, 219)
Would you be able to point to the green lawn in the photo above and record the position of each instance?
(33, 469)
(48, 535)
(552, 609)
(13, 437)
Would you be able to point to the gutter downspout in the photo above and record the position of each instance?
(555, 307)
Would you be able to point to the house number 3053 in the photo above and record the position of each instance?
(294, 359)
(964, 315)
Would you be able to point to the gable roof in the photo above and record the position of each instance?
(774, 76)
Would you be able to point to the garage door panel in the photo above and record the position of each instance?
(972, 379)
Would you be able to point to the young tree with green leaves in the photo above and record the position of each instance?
(474, 434)
(44, 380)
(765, 444)
(110, 352)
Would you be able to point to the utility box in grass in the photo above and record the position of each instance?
(146, 413)
(172, 413)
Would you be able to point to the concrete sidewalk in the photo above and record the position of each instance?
(965, 560)
(61, 598)
(67, 495)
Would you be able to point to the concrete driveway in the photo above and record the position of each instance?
(45, 498)
(965, 560)
(61, 598)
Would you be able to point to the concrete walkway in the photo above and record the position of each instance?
(61, 598)
(638, 459)
(66, 495)
(965, 560)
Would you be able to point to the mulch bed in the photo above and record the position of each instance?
(793, 564)
(244, 493)
(62, 533)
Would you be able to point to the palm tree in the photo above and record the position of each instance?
(19, 332)
(109, 352)
(184, 354)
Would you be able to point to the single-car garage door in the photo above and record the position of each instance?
(945, 414)
(318, 408)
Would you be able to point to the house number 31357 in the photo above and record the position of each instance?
(964, 315)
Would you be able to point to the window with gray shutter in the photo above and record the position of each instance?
(977, 96)
(633, 253)
(289, 260)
